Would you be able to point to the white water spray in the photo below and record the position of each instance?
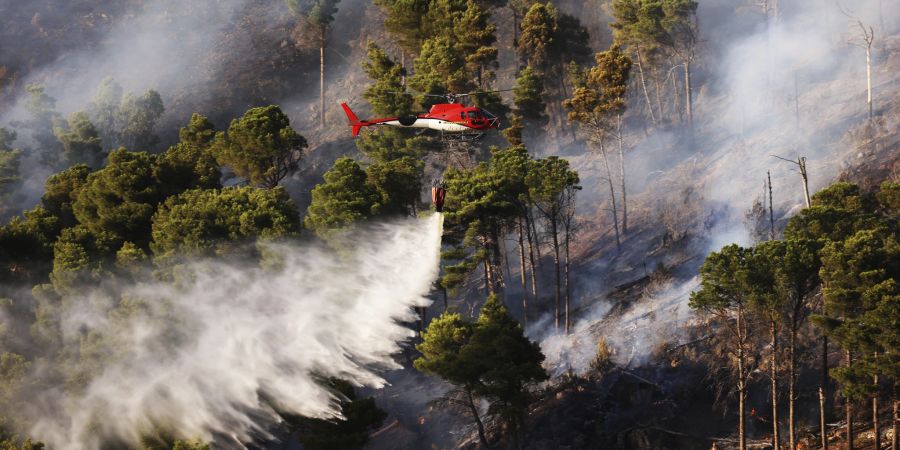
(200, 360)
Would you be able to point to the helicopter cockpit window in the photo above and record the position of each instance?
(474, 115)
(462, 115)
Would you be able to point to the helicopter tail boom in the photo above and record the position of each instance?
(355, 123)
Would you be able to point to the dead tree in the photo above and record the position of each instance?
(620, 139)
(801, 165)
(771, 208)
(865, 40)
(569, 229)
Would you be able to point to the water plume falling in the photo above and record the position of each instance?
(219, 353)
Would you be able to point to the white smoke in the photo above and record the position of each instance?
(789, 86)
(634, 333)
(219, 353)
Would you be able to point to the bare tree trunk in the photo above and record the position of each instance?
(612, 194)
(848, 405)
(529, 225)
(522, 270)
(565, 95)
(792, 381)
(640, 64)
(771, 209)
(823, 397)
(553, 229)
(742, 385)
(876, 428)
(622, 175)
(895, 419)
(474, 409)
(403, 65)
(322, 80)
(801, 164)
(689, 97)
(568, 289)
(869, 78)
(676, 98)
(488, 289)
(774, 375)
(656, 82)
(504, 255)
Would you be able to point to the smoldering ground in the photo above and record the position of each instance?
(227, 344)
(789, 84)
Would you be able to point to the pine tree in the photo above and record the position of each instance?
(724, 297)
(137, 120)
(385, 94)
(80, 141)
(549, 184)
(125, 120)
(528, 99)
(344, 198)
(398, 184)
(406, 22)
(118, 201)
(61, 190)
(260, 147)
(9, 167)
(768, 303)
(319, 14)
(439, 69)
(597, 103)
(665, 24)
(190, 163)
(796, 282)
(43, 117)
(491, 359)
(210, 222)
(511, 363)
(860, 276)
(476, 37)
(539, 29)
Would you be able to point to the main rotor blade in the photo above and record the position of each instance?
(484, 92)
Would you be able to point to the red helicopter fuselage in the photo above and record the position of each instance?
(444, 117)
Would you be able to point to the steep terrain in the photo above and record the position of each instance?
(794, 88)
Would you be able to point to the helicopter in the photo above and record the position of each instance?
(453, 119)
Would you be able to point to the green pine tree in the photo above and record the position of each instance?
(260, 146)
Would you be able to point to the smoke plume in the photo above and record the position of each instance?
(215, 355)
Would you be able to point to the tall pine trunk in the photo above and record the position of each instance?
(742, 385)
(568, 289)
(792, 381)
(876, 428)
(869, 80)
(848, 405)
(522, 272)
(474, 410)
(895, 418)
(689, 98)
(640, 64)
(823, 395)
(612, 194)
(659, 106)
(554, 230)
(322, 79)
(773, 368)
(676, 98)
(529, 225)
(622, 175)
